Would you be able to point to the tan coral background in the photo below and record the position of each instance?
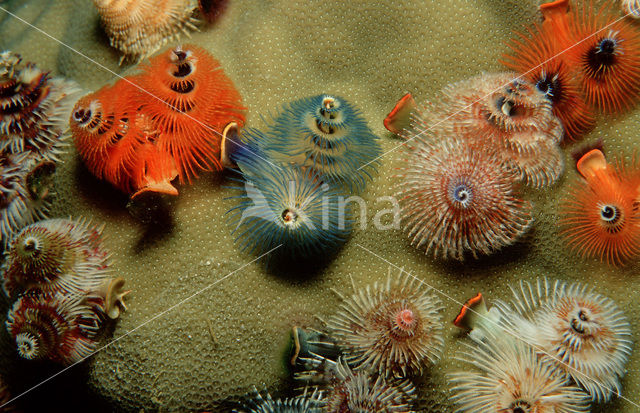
(216, 345)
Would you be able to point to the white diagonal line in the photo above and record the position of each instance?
(179, 303)
(490, 93)
(495, 324)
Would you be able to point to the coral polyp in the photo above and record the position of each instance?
(329, 135)
(54, 327)
(600, 218)
(287, 208)
(259, 403)
(392, 328)
(140, 27)
(506, 375)
(458, 200)
(359, 391)
(56, 255)
(608, 61)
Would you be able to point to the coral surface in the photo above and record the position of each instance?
(177, 351)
